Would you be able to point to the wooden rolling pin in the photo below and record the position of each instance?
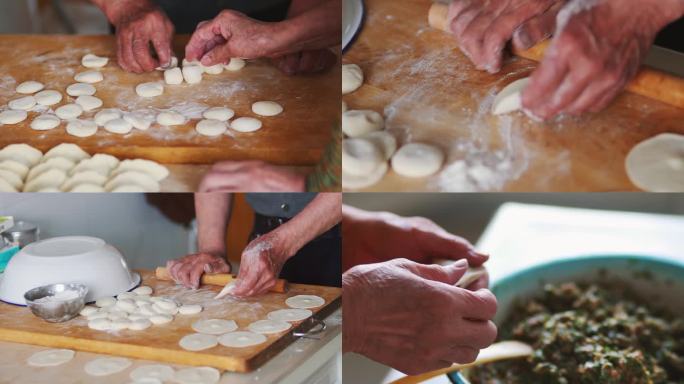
(647, 82)
(220, 279)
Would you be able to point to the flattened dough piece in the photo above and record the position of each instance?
(80, 89)
(235, 64)
(657, 164)
(218, 113)
(89, 77)
(69, 111)
(153, 371)
(81, 128)
(211, 127)
(48, 97)
(198, 342)
(214, 326)
(143, 290)
(94, 61)
(71, 151)
(45, 122)
(139, 120)
(241, 339)
(352, 78)
(267, 108)
(156, 170)
(12, 116)
(106, 366)
(305, 301)
(50, 357)
(360, 122)
(22, 153)
(170, 118)
(190, 309)
(245, 124)
(102, 117)
(29, 87)
(417, 160)
(23, 103)
(269, 326)
(509, 99)
(291, 314)
(360, 157)
(152, 89)
(192, 74)
(119, 126)
(88, 103)
(197, 375)
(383, 140)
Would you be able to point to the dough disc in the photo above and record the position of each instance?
(50, 357)
(106, 366)
(360, 122)
(292, 314)
(417, 160)
(214, 326)
(269, 326)
(304, 301)
(241, 339)
(197, 375)
(198, 342)
(155, 371)
(509, 99)
(267, 108)
(360, 157)
(352, 78)
(657, 164)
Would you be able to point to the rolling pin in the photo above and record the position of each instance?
(220, 279)
(648, 82)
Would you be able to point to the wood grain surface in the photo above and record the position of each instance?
(296, 137)
(160, 342)
(430, 92)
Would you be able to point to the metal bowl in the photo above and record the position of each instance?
(56, 310)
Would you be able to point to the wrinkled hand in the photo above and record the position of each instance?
(306, 61)
(231, 34)
(260, 265)
(251, 176)
(410, 316)
(188, 270)
(595, 52)
(138, 27)
(483, 27)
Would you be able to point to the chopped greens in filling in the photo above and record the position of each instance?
(587, 333)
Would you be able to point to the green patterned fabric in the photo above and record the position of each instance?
(327, 176)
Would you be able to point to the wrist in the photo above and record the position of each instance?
(286, 242)
(352, 329)
(116, 11)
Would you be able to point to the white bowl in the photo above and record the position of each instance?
(69, 259)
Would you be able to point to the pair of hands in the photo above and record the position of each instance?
(597, 45)
(251, 176)
(405, 313)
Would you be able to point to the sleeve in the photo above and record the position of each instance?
(327, 176)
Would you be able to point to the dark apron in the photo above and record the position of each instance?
(672, 36)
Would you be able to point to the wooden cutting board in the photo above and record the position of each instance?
(160, 342)
(430, 92)
(298, 136)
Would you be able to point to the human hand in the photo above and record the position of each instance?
(188, 270)
(312, 61)
(483, 28)
(139, 24)
(410, 316)
(260, 264)
(251, 176)
(596, 50)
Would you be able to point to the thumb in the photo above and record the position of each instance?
(217, 55)
(444, 245)
(215, 267)
(447, 274)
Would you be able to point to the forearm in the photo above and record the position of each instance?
(212, 211)
(316, 27)
(321, 214)
(114, 10)
(297, 7)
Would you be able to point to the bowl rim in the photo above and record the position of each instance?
(82, 292)
(26, 251)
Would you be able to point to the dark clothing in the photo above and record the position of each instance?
(279, 204)
(672, 36)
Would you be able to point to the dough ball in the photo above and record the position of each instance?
(291, 314)
(105, 302)
(50, 357)
(29, 87)
(509, 99)
(657, 164)
(152, 89)
(269, 326)
(267, 108)
(143, 290)
(71, 151)
(12, 178)
(155, 170)
(48, 97)
(305, 301)
(80, 89)
(173, 76)
(106, 115)
(214, 326)
(241, 339)
(360, 157)
(198, 342)
(22, 153)
(84, 177)
(245, 124)
(417, 160)
(192, 74)
(23, 103)
(81, 128)
(364, 181)
(219, 113)
(106, 366)
(214, 69)
(190, 309)
(15, 167)
(173, 63)
(88, 103)
(11, 116)
(88, 310)
(45, 122)
(170, 118)
(161, 319)
(69, 111)
(235, 64)
(139, 120)
(352, 78)
(383, 140)
(90, 77)
(153, 371)
(210, 127)
(93, 61)
(197, 375)
(142, 180)
(360, 122)
(119, 126)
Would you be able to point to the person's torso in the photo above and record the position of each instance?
(279, 204)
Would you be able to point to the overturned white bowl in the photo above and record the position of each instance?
(68, 259)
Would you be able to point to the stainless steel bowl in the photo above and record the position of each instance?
(56, 310)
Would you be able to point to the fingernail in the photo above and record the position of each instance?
(460, 263)
(479, 254)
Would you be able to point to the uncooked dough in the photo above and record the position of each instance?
(119, 126)
(11, 116)
(235, 64)
(197, 375)
(88, 310)
(190, 309)
(80, 89)
(173, 76)
(88, 188)
(218, 113)
(93, 61)
(657, 164)
(267, 108)
(214, 69)
(81, 128)
(48, 97)
(352, 78)
(139, 120)
(241, 339)
(509, 99)
(69, 111)
(383, 140)
(245, 124)
(140, 179)
(214, 326)
(61, 163)
(12, 178)
(50, 357)
(29, 87)
(417, 160)
(170, 118)
(143, 290)
(90, 77)
(71, 151)
(105, 302)
(173, 63)
(100, 163)
(198, 342)
(161, 319)
(22, 153)
(23, 103)
(6, 187)
(45, 122)
(292, 314)
(106, 366)
(156, 170)
(360, 122)
(88, 103)
(99, 323)
(153, 371)
(14, 166)
(211, 127)
(105, 115)
(269, 326)
(192, 74)
(139, 324)
(151, 89)
(360, 157)
(304, 301)
(85, 177)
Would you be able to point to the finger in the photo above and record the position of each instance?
(606, 99)
(141, 52)
(476, 334)
(444, 245)
(536, 29)
(170, 268)
(543, 81)
(590, 96)
(461, 355)
(219, 53)
(449, 274)
(195, 275)
(482, 282)
(477, 305)
(173, 271)
(264, 283)
(203, 35)
(217, 181)
(582, 71)
(162, 45)
(216, 267)
(129, 57)
(184, 274)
